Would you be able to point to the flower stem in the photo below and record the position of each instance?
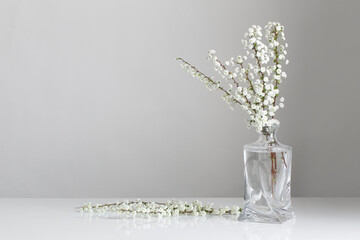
(273, 171)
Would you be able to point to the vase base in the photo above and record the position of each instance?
(249, 215)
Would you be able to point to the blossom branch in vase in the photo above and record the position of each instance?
(263, 73)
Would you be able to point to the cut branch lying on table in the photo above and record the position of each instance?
(160, 209)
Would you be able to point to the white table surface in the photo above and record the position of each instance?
(55, 218)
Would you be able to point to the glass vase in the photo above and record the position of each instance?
(267, 179)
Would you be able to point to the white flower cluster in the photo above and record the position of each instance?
(156, 209)
(261, 75)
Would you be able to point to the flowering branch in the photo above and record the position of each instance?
(159, 209)
(259, 98)
(205, 79)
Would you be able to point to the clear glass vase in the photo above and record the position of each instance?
(267, 179)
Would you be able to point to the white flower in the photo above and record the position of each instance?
(281, 105)
(273, 121)
(282, 99)
(222, 211)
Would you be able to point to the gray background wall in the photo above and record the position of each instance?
(93, 104)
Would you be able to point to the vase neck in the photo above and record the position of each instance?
(268, 135)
